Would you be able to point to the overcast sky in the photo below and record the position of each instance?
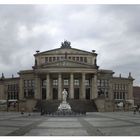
(112, 30)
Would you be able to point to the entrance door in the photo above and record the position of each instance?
(43, 93)
(76, 93)
(55, 93)
(88, 93)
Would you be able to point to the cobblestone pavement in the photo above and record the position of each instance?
(93, 124)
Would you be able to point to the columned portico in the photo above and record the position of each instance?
(79, 85)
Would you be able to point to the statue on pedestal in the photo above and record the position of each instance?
(65, 94)
(64, 106)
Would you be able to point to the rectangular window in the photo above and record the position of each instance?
(62, 58)
(81, 59)
(46, 59)
(85, 59)
(102, 83)
(43, 83)
(118, 95)
(53, 58)
(87, 83)
(76, 82)
(123, 95)
(29, 88)
(50, 59)
(98, 83)
(123, 86)
(77, 58)
(114, 95)
(66, 82)
(58, 58)
(55, 82)
(73, 58)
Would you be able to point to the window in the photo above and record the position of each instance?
(62, 58)
(46, 59)
(12, 90)
(118, 95)
(69, 57)
(66, 82)
(43, 83)
(123, 95)
(50, 59)
(81, 59)
(76, 82)
(77, 58)
(55, 82)
(85, 59)
(124, 87)
(87, 82)
(102, 83)
(98, 82)
(53, 58)
(58, 58)
(73, 58)
(114, 95)
(29, 88)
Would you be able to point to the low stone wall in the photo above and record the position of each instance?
(104, 105)
(27, 105)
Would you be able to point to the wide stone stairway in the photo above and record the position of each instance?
(79, 106)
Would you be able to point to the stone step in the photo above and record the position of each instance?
(76, 105)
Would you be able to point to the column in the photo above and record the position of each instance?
(94, 90)
(48, 86)
(21, 90)
(59, 86)
(71, 86)
(37, 87)
(83, 86)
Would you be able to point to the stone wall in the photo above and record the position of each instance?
(104, 105)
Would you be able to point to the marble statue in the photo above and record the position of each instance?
(65, 94)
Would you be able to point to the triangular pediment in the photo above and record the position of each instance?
(68, 63)
(65, 50)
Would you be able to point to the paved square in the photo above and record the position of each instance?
(57, 132)
(93, 124)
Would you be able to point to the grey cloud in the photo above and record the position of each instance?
(112, 30)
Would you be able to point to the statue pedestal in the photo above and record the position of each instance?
(64, 106)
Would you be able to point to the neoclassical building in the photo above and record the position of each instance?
(71, 69)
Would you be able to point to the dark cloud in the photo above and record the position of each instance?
(112, 30)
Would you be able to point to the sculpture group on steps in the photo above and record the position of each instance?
(64, 106)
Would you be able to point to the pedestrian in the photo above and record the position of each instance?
(134, 110)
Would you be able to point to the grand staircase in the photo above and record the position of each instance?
(50, 106)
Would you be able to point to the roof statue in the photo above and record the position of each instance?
(65, 44)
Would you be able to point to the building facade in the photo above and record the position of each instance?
(71, 69)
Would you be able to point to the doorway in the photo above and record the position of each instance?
(88, 93)
(76, 93)
(55, 93)
(43, 93)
